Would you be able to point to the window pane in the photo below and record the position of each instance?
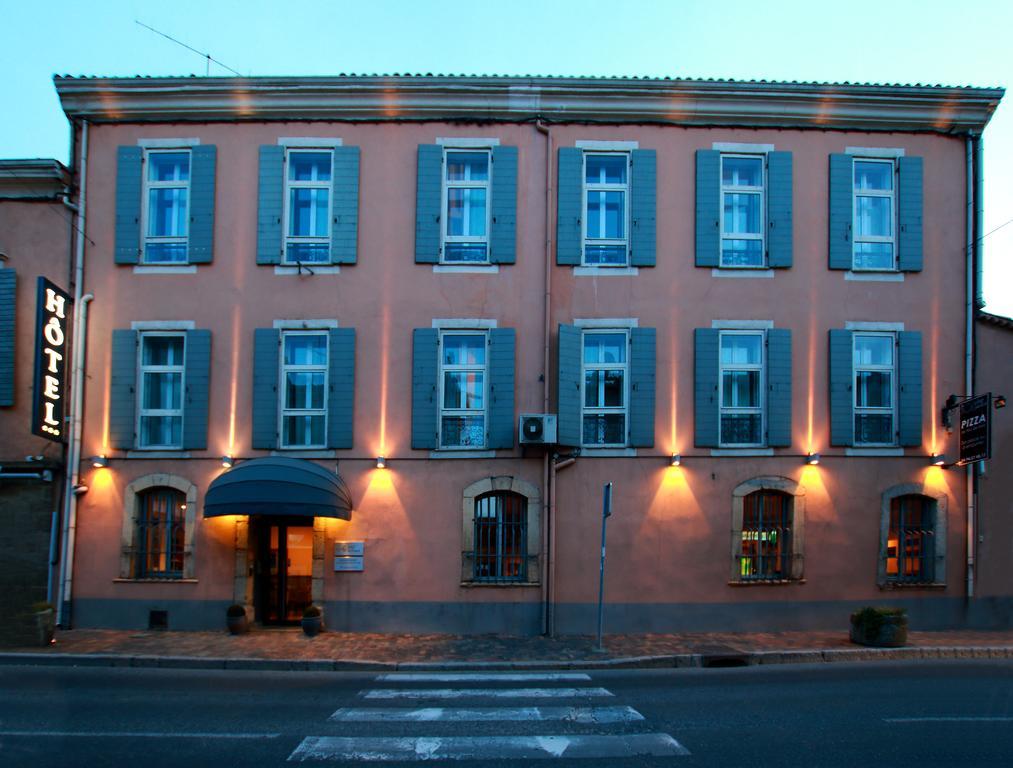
(613, 389)
(741, 253)
(873, 428)
(766, 536)
(874, 350)
(742, 171)
(467, 166)
(309, 166)
(604, 348)
(308, 212)
(462, 431)
(169, 166)
(873, 175)
(605, 428)
(741, 428)
(464, 350)
(872, 389)
(873, 216)
(612, 255)
(605, 169)
(463, 389)
(308, 253)
(303, 430)
(606, 215)
(162, 391)
(304, 389)
(873, 255)
(305, 349)
(469, 252)
(466, 212)
(162, 350)
(591, 379)
(741, 389)
(742, 214)
(165, 253)
(167, 216)
(161, 430)
(741, 349)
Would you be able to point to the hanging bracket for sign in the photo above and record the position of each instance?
(53, 308)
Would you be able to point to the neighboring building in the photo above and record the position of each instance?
(35, 240)
(348, 290)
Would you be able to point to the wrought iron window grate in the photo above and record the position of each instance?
(500, 553)
(160, 534)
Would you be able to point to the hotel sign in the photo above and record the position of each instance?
(975, 429)
(348, 555)
(51, 335)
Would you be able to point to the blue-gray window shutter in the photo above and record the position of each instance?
(198, 389)
(643, 207)
(266, 343)
(841, 211)
(569, 207)
(842, 420)
(909, 387)
(425, 408)
(706, 371)
(779, 210)
(502, 342)
(503, 234)
(128, 204)
(122, 386)
(202, 204)
(642, 374)
(779, 387)
(8, 286)
(270, 194)
(708, 208)
(345, 206)
(909, 214)
(568, 385)
(428, 195)
(341, 386)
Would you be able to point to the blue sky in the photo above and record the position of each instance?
(894, 41)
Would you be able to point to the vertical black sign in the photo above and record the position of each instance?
(52, 322)
(975, 429)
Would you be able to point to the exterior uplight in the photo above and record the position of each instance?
(99, 461)
(228, 461)
(676, 460)
(938, 460)
(381, 462)
(812, 459)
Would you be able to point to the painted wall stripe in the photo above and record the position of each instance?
(494, 693)
(581, 715)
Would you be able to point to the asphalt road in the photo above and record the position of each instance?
(896, 714)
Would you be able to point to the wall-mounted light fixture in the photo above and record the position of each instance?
(80, 490)
(937, 460)
(812, 459)
(381, 462)
(228, 461)
(999, 401)
(99, 461)
(676, 460)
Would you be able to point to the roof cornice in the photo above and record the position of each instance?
(845, 106)
(33, 179)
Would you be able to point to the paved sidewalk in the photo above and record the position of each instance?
(290, 649)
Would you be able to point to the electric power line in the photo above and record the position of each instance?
(207, 56)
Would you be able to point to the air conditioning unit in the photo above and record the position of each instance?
(537, 429)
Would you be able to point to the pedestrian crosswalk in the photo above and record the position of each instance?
(585, 729)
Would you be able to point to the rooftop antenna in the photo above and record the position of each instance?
(207, 56)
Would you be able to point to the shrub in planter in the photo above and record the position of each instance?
(312, 620)
(880, 627)
(235, 619)
(45, 623)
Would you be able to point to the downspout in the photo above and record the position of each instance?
(72, 475)
(556, 466)
(546, 331)
(970, 298)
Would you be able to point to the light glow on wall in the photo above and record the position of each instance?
(936, 480)
(811, 403)
(673, 444)
(382, 448)
(674, 501)
(235, 377)
(106, 405)
(934, 376)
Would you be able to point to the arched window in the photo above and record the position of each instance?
(500, 537)
(912, 536)
(766, 536)
(161, 527)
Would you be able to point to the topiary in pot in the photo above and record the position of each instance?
(879, 627)
(235, 619)
(312, 620)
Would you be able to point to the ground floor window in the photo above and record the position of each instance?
(768, 527)
(912, 536)
(500, 537)
(160, 534)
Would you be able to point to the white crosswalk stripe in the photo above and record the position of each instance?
(588, 715)
(506, 677)
(490, 693)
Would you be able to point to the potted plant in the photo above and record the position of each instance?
(312, 620)
(45, 623)
(880, 627)
(235, 619)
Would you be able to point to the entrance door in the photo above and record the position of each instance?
(284, 571)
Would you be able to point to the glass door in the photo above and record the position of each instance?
(284, 572)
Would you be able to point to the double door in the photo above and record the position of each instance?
(283, 584)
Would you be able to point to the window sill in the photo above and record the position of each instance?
(934, 586)
(766, 583)
(154, 581)
(466, 269)
(309, 453)
(499, 584)
(317, 269)
(605, 271)
(158, 453)
(453, 453)
(875, 277)
(739, 272)
(606, 453)
(873, 451)
(165, 269)
(742, 452)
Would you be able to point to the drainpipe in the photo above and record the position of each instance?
(547, 478)
(970, 297)
(556, 466)
(979, 302)
(72, 475)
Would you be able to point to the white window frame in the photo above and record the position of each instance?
(604, 187)
(444, 368)
(733, 410)
(602, 410)
(289, 185)
(284, 369)
(892, 368)
(141, 370)
(147, 185)
(446, 185)
(740, 189)
(892, 195)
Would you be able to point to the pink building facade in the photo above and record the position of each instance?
(322, 308)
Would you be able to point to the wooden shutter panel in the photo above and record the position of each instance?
(643, 342)
(842, 419)
(909, 214)
(197, 366)
(270, 194)
(427, 204)
(568, 385)
(425, 408)
(202, 204)
(909, 388)
(569, 207)
(502, 343)
(779, 210)
(643, 207)
(128, 204)
(841, 211)
(122, 390)
(341, 387)
(708, 208)
(779, 387)
(8, 288)
(706, 370)
(265, 387)
(345, 205)
(503, 233)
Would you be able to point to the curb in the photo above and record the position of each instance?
(679, 660)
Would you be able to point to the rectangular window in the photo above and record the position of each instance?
(304, 389)
(160, 534)
(161, 390)
(741, 388)
(500, 537)
(875, 383)
(466, 180)
(766, 537)
(605, 395)
(743, 211)
(875, 206)
(606, 208)
(166, 206)
(910, 544)
(308, 182)
(462, 389)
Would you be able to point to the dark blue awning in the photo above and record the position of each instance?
(276, 485)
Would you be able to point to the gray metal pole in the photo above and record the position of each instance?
(606, 510)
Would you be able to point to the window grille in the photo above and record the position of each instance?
(910, 542)
(766, 537)
(160, 530)
(501, 524)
